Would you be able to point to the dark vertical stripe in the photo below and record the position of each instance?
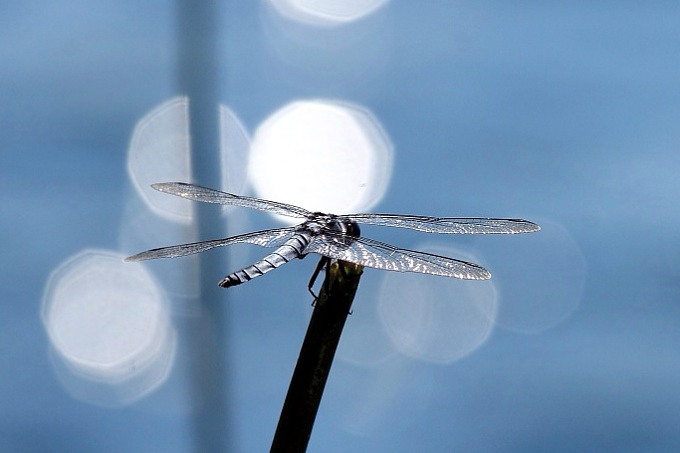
(197, 29)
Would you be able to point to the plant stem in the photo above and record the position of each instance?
(316, 357)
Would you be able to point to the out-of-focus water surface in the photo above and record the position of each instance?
(566, 115)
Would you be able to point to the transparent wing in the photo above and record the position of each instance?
(449, 225)
(370, 253)
(198, 193)
(265, 238)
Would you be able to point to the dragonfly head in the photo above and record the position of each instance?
(348, 227)
(338, 224)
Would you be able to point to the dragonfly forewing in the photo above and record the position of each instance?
(206, 195)
(447, 225)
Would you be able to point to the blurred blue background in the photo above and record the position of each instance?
(566, 115)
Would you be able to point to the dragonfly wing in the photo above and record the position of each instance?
(449, 225)
(265, 238)
(370, 253)
(198, 193)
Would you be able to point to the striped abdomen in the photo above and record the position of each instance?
(293, 248)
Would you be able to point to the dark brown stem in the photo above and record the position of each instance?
(316, 357)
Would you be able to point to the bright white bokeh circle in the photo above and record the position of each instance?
(107, 322)
(234, 152)
(322, 155)
(159, 151)
(326, 13)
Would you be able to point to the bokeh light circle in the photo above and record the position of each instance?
(160, 151)
(326, 13)
(234, 152)
(540, 277)
(322, 155)
(437, 319)
(107, 322)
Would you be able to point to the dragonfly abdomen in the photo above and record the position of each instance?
(293, 248)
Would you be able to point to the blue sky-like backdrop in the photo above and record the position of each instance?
(566, 114)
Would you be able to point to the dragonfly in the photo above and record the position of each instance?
(335, 237)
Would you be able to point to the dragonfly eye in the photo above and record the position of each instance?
(352, 229)
(344, 226)
(348, 230)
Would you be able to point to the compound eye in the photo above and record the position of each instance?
(353, 229)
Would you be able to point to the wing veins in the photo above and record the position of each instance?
(207, 195)
(371, 253)
(265, 238)
(447, 225)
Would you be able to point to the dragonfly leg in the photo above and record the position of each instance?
(324, 262)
